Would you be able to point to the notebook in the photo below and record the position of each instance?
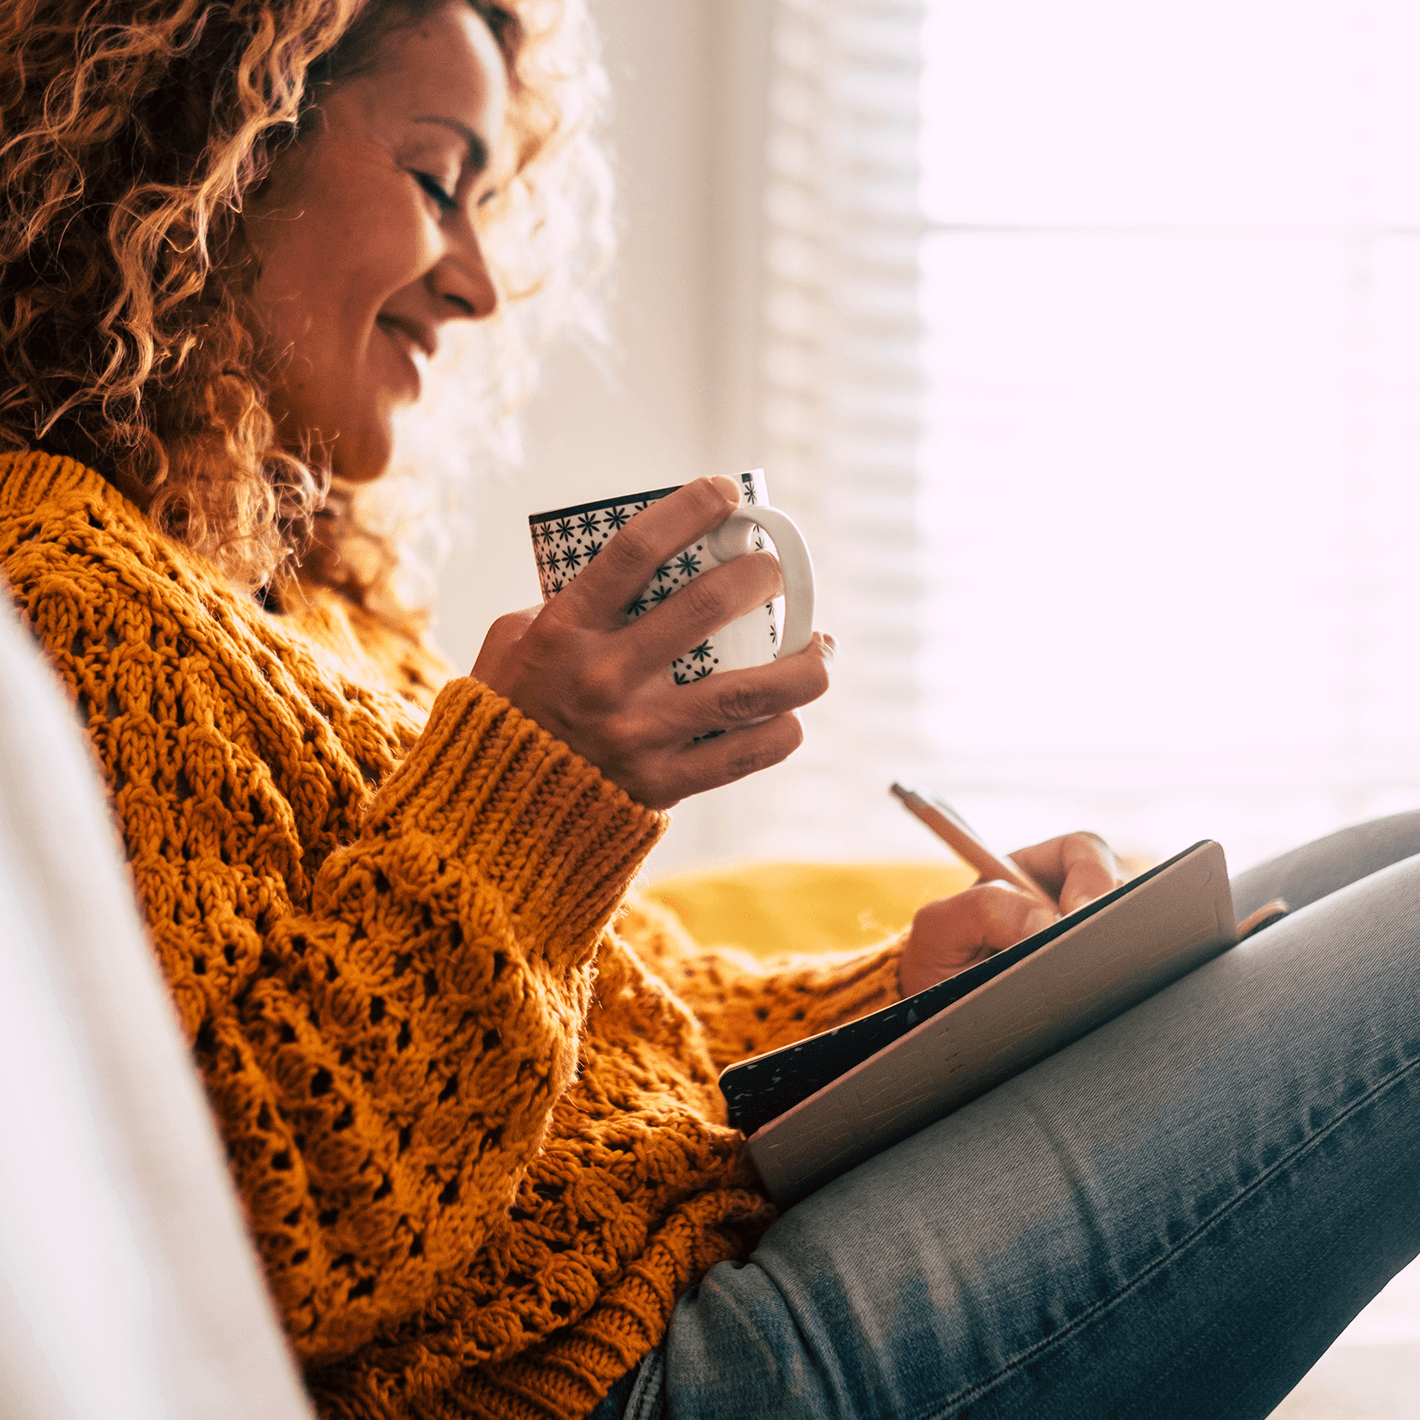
(816, 1108)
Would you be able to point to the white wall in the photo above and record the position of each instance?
(678, 396)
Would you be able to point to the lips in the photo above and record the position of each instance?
(415, 345)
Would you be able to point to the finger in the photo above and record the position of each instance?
(691, 769)
(506, 631)
(730, 700)
(1078, 867)
(702, 607)
(957, 932)
(996, 915)
(649, 746)
(600, 595)
(1091, 869)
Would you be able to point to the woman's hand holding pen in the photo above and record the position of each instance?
(954, 933)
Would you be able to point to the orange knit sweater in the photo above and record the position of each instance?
(468, 1092)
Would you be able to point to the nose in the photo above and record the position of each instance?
(462, 283)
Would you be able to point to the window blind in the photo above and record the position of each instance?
(840, 380)
(1171, 296)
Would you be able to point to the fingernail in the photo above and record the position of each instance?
(729, 487)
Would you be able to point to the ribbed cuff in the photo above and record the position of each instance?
(489, 786)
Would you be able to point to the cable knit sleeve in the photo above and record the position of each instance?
(393, 1069)
(380, 938)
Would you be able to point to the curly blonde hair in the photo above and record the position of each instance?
(130, 133)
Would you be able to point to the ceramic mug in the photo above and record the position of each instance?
(567, 539)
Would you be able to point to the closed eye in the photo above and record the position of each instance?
(442, 200)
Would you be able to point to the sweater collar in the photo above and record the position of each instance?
(28, 480)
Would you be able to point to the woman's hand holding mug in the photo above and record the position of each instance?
(597, 678)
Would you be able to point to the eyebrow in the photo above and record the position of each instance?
(477, 148)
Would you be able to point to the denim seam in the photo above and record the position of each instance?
(645, 1400)
(975, 1392)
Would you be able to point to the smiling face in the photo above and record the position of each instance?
(366, 236)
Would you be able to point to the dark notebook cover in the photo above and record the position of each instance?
(763, 1087)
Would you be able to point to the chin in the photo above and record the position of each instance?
(364, 455)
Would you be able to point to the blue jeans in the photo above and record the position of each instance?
(1174, 1216)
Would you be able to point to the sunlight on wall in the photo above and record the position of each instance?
(1173, 416)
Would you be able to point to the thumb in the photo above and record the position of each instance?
(504, 634)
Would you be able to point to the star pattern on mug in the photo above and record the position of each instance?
(566, 541)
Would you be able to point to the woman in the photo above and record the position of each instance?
(467, 1085)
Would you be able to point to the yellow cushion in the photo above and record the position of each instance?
(768, 908)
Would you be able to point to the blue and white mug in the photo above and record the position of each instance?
(567, 539)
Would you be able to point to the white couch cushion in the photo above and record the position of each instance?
(128, 1286)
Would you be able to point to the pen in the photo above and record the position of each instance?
(952, 829)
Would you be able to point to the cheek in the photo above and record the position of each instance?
(326, 274)
(387, 245)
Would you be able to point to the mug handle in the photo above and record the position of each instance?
(731, 539)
